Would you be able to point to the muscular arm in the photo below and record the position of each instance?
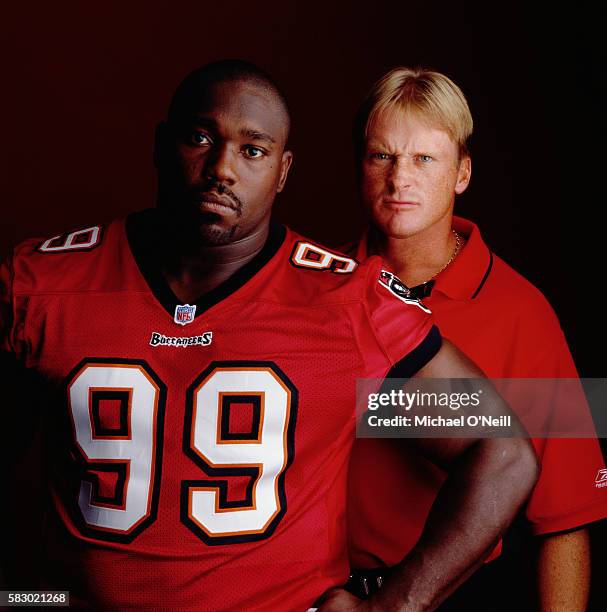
(488, 480)
(564, 571)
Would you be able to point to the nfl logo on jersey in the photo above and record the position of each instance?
(184, 314)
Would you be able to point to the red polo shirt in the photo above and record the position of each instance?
(507, 327)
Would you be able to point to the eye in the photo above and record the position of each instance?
(424, 158)
(253, 152)
(380, 156)
(200, 138)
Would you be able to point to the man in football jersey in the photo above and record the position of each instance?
(411, 140)
(206, 358)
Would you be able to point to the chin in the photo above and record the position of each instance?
(217, 235)
(399, 227)
(213, 229)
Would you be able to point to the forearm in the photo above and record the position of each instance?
(564, 572)
(485, 488)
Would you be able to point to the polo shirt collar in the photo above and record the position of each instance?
(464, 277)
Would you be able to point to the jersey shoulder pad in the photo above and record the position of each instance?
(312, 274)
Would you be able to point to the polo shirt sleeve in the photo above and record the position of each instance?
(566, 495)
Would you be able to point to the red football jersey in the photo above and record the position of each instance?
(199, 451)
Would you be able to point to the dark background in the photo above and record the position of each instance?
(83, 85)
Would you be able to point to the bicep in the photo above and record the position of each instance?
(449, 362)
(449, 365)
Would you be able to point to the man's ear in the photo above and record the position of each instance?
(464, 172)
(160, 138)
(285, 165)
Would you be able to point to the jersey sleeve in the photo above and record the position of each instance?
(14, 302)
(6, 306)
(21, 387)
(402, 326)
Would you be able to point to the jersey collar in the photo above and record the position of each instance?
(144, 231)
(465, 276)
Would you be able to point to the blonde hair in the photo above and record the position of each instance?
(429, 94)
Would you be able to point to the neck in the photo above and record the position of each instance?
(418, 258)
(192, 273)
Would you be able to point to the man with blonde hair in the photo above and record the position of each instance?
(411, 139)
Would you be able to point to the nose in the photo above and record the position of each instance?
(220, 165)
(401, 174)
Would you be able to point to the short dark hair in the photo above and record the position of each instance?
(204, 77)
